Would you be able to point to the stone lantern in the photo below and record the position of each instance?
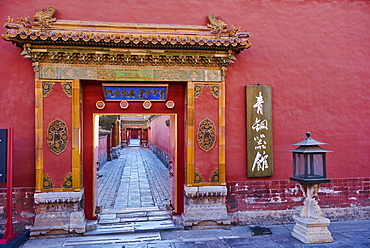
(309, 169)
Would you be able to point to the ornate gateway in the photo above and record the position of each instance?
(65, 52)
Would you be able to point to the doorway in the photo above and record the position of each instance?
(141, 171)
(92, 92)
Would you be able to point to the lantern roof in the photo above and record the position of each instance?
(309, 141)
(309, 145)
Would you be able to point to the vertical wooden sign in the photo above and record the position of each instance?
(259, 131)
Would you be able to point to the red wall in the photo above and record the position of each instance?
(315, 54)
(160, 134)
(102, 146)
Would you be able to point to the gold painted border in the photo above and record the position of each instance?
(190, 135)
(39, 135)
(222, 133)
(76, 137)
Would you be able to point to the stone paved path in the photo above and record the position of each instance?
(134, 192)
(136, 179)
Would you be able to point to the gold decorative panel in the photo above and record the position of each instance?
(57, 136)
(206, 135)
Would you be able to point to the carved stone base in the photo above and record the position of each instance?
(205, 208)
(59, 213)
(312, 231)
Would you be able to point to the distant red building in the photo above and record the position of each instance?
(313, 56)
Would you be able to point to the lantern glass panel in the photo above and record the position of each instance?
(315, 165)
(299, 162)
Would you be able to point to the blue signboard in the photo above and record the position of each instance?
(135, 92)
(3, 152)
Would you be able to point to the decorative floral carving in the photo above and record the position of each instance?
(67, 184)
(46, 88)
(215, 177)
(197, 177)
(47, 182)
(67, 88)
(45, 18)
(206, 135)
(197, 90)
(214, 90)
(57, 136)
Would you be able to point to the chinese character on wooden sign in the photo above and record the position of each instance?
(135, 92)
(259, 131)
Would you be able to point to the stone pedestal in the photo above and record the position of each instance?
(205, 208)
(59, 213)
(312, 231)
(311, 227)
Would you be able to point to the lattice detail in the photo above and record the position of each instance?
(46, 88)
(57, 136)
(215, 177)
(47, 182)
(198, 90)
(197, 177)
(67, 184)
(206, 135)
(67, 88)
(215, 90)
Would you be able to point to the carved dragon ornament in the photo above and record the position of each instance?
(219, 28)
(43, 19)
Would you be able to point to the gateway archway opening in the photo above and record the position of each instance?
(135, 160)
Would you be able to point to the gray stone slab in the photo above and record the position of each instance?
(159, 218)
(134, 219)
(159, 213)
(56, 242)
(154, 225)
(108, 221)
(132, 214)
(107, 216)
(112, 239)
